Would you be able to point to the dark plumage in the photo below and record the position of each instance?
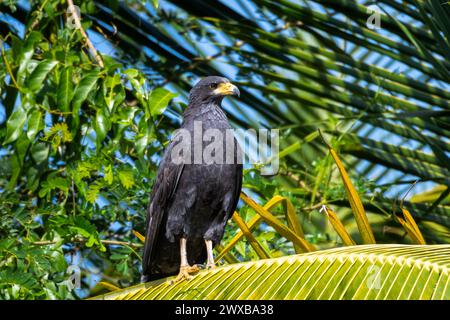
(192, 201)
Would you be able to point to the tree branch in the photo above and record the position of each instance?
(77, 21)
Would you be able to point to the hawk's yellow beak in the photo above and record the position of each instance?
(226, 89)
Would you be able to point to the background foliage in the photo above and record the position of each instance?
(81, 137)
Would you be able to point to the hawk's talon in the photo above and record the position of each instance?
(184, 273)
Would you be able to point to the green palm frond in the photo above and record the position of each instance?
(359, 272)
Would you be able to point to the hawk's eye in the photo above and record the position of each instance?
(213, 85)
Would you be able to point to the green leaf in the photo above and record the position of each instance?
(109, 176)
(37, 77)
(58, 133)
(53, 183)
(34, 124)
(83, 89)
(39, 152)
(80, 231)
(25, 53)
(145, 136)
(21, 279)
(65, 89)
(17, 160)
(158, 101)
(93, 193)
(15, 125)
(126, 177)
(81, 93)
(131, 73)
(117, 256)
(112, 91)
(102, 125)
(84, 227)
(91, 241)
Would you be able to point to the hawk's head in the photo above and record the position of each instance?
(212, 88)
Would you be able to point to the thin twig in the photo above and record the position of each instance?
(76, 19)
(8, 67)
(38, 16)
(406, 194)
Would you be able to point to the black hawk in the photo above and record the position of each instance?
(192, 200)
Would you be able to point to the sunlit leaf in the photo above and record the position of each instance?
(158, 101)
(37, 77)
(367, 272)
(15, 125)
